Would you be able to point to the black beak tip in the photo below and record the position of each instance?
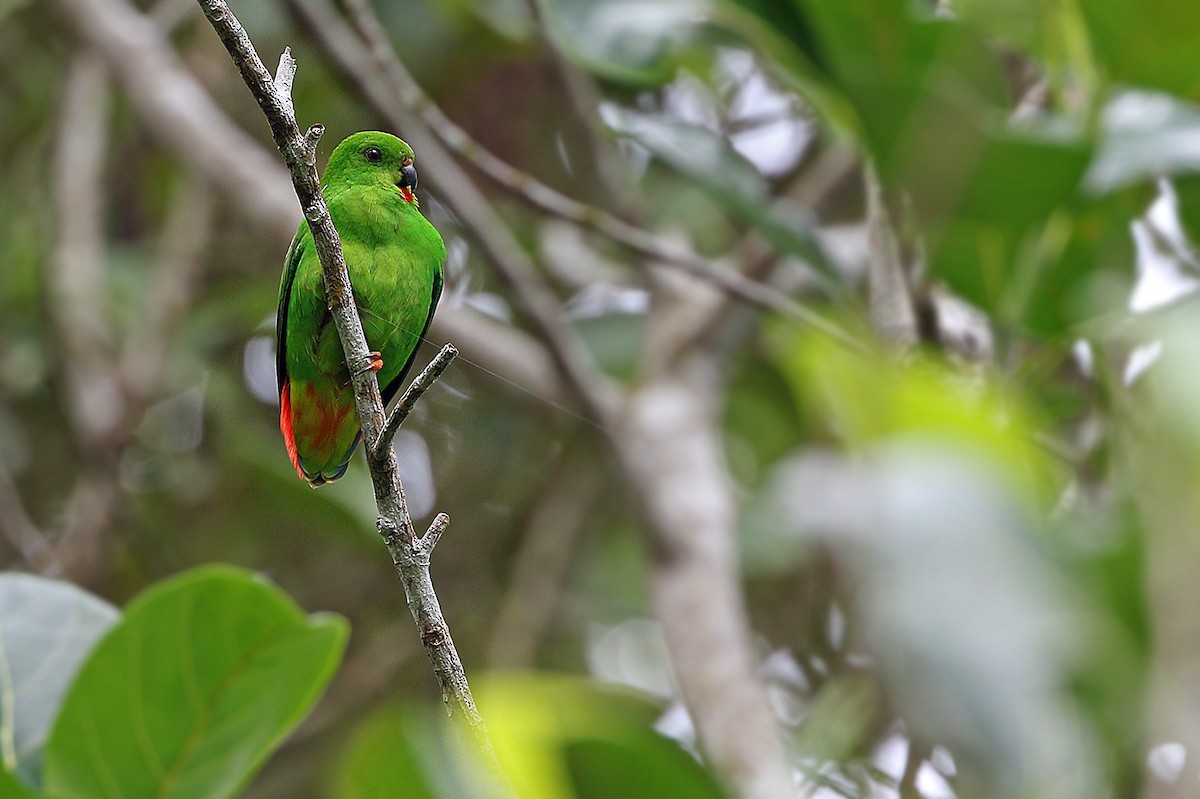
(408, 177)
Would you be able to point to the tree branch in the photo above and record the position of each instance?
(672, 455)
(893, 313)
(408, 401)
(410, 554)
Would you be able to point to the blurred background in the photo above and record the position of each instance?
(830, 374)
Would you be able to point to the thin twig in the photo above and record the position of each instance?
(893, 313)
(413, 393)
(409, 553)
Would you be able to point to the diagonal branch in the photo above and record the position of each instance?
(409, 553)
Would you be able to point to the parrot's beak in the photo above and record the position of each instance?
(408, 177)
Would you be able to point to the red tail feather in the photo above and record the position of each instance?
(285, 425)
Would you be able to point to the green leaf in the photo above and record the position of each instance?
(932, 108)
(187, 696)
(560, 737)
(1021, 176)
(1187, 190)
(47, 629)
(1150, 43)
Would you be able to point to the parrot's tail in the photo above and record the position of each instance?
(285, 426)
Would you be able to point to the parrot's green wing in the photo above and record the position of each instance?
(291, 263)
(391, 388)
(299, 244)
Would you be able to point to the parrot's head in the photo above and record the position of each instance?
(373, 158)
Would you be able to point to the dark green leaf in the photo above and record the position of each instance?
(561, 737)
(1187, 190)
(1047, 279)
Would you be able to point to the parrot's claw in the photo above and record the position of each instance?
(374, 363)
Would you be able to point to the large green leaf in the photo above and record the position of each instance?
(188, 695)
(929, 101)
(47, 628)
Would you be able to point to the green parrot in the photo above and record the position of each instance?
(394, 256)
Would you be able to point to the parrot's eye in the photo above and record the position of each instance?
(373, 155)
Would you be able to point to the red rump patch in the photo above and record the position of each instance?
(285, 426)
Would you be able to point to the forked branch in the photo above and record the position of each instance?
(408, 400)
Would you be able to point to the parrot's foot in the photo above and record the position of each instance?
(374, 363)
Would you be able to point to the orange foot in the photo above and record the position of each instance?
(374, 363)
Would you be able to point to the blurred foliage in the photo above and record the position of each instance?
(968, 577)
